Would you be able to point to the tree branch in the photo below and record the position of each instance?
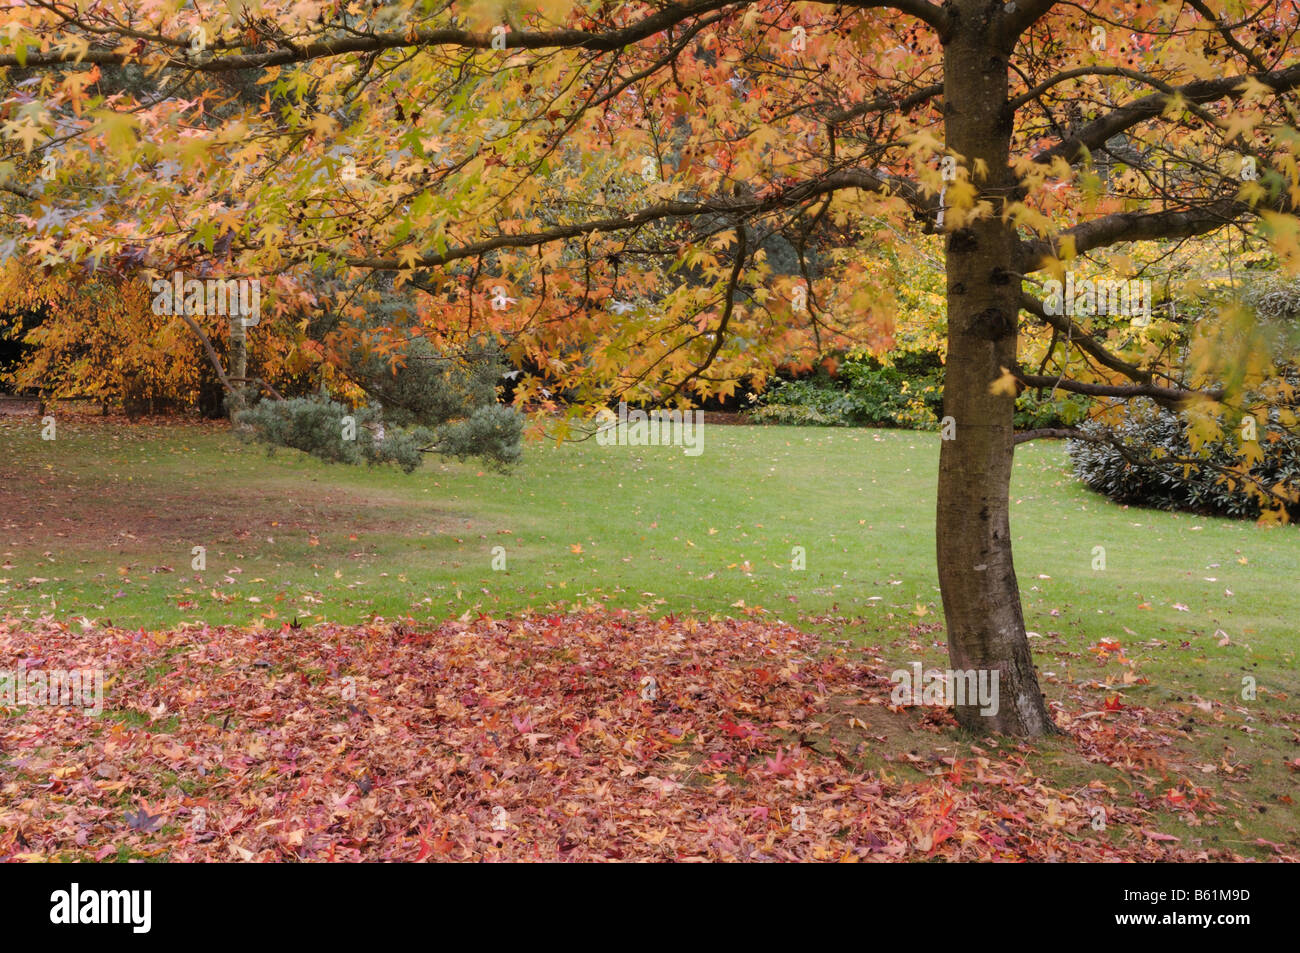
(212, 354)
(1025, 15)
(1039, 433)
(938, 17)
(1165, 396)
(1133, 227)
(1093, 135)
(1083, 340)
(1224, 31)
(728, 308)
(867, 180)
(377, 42)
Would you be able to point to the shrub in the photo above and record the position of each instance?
(316, 425)
(906, 393)
(791, 415)
(866, 393)
(426, 403)
(825, 404)
(899, 395)
(1063, 410)
(1151, 433)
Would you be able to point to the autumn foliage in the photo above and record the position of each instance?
(540, 737)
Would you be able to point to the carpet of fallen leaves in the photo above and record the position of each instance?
(570, 737)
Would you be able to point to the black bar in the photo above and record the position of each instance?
(339, 903)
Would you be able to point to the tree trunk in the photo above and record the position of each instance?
(234, 395)
(238, 365)
(981, 599)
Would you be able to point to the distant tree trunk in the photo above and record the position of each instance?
(981, 599)
(238, 364)
(234, 396)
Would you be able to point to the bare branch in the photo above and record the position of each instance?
(211, 352)
(1133, 227)
(1048, 433)
(1165, 396)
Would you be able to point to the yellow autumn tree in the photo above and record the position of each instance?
(96, 336)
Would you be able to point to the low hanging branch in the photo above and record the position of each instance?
(728, 308)
(260, 382)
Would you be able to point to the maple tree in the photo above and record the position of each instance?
(654, 202)
(141, 359)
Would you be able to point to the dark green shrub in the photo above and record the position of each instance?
(1158, 437)
(425, 403)
(825, 403)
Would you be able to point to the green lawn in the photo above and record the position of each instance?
(101, 522)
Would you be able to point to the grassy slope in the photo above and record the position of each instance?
(101, 513)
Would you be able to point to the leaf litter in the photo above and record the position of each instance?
(529, 738)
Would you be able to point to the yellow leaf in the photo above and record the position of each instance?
(1004, 386)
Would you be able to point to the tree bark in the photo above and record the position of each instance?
(238, 364)
(234, 398)
(981, 598)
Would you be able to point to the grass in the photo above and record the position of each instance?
(102, 522)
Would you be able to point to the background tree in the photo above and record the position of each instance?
(478, 153)
(141, 361)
